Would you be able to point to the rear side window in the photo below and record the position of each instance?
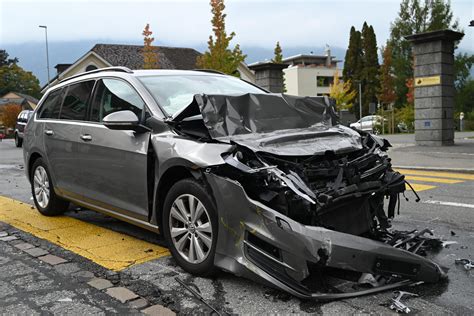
(75, 103)
(114, 95)
(51, 105)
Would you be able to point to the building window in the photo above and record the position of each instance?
(91, 67)
(324, 81)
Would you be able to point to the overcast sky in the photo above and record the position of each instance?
(181, 23)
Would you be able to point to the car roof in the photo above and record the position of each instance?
(168, 72)
(123, 72)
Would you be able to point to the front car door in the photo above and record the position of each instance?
(114, 162)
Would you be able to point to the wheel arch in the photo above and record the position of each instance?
(33, 157)
(174, 171)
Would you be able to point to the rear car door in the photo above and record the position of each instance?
(62, 136)
(114, 162)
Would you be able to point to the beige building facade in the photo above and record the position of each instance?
(310, 75)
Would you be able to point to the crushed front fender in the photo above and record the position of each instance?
(257, 241)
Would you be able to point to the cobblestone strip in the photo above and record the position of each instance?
(119, 293)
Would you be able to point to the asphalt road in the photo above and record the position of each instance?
(459, 157)
(155, 279)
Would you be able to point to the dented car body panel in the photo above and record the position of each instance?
(299, 245)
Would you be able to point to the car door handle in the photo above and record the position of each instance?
(86, 137)
(49, 132)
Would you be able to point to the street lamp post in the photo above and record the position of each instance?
(47, 51)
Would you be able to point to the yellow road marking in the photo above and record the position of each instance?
(435, 180)
(420, 187)
(463, 176)
(112, 250)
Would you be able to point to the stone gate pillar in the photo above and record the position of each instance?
(269, 75)
(434, 86)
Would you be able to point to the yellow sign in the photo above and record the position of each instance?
(427, 81)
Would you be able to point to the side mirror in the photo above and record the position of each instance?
(122, 120)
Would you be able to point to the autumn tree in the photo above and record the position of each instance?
(410, 96)
(9, 114)
(150, 56)
(15, 78)
(219, 56)
(342, 93)
(386, 93)
(415, 16)
(278, 58)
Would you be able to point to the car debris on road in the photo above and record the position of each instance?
(467, 263)
(397, 304)
(196, 293)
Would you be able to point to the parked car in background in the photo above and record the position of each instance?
(402, 127)
(266, 186)
(370, 123)
(21, 122)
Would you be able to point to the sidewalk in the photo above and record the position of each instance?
(459, 158)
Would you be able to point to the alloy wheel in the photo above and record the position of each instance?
(41, 187)
(190, 228)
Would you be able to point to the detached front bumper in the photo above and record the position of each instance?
(255, 240)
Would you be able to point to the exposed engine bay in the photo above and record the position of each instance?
(291, 155)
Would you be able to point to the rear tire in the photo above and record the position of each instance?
(18, 141)
(190, 227)
(46, 200)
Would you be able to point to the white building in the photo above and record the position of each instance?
(310, 75)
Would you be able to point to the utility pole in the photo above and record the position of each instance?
(47, 51)
(360, 100)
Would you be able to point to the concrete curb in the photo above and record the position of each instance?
(443, 169)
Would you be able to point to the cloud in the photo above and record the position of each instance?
(257, 23)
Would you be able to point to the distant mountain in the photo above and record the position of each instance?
(32, 56)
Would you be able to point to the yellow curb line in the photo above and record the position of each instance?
(110, 249)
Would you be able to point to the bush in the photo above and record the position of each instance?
(406, 114)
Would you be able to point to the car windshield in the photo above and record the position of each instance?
(173, 92)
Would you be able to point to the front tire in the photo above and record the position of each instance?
(18, 140)
(46, 201)
(190, 226)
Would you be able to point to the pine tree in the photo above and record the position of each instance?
(150, 56)
(278, 58)
(218, 56)
(370, 69)
(353, 61)
(4, 60)
(386, 93)
(353, 58)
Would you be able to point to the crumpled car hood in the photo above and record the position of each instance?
(301, 142)
(275, 123)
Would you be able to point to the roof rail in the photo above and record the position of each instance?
(118, 69)
(212, 71)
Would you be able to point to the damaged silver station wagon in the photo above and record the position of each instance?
(266, 186)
